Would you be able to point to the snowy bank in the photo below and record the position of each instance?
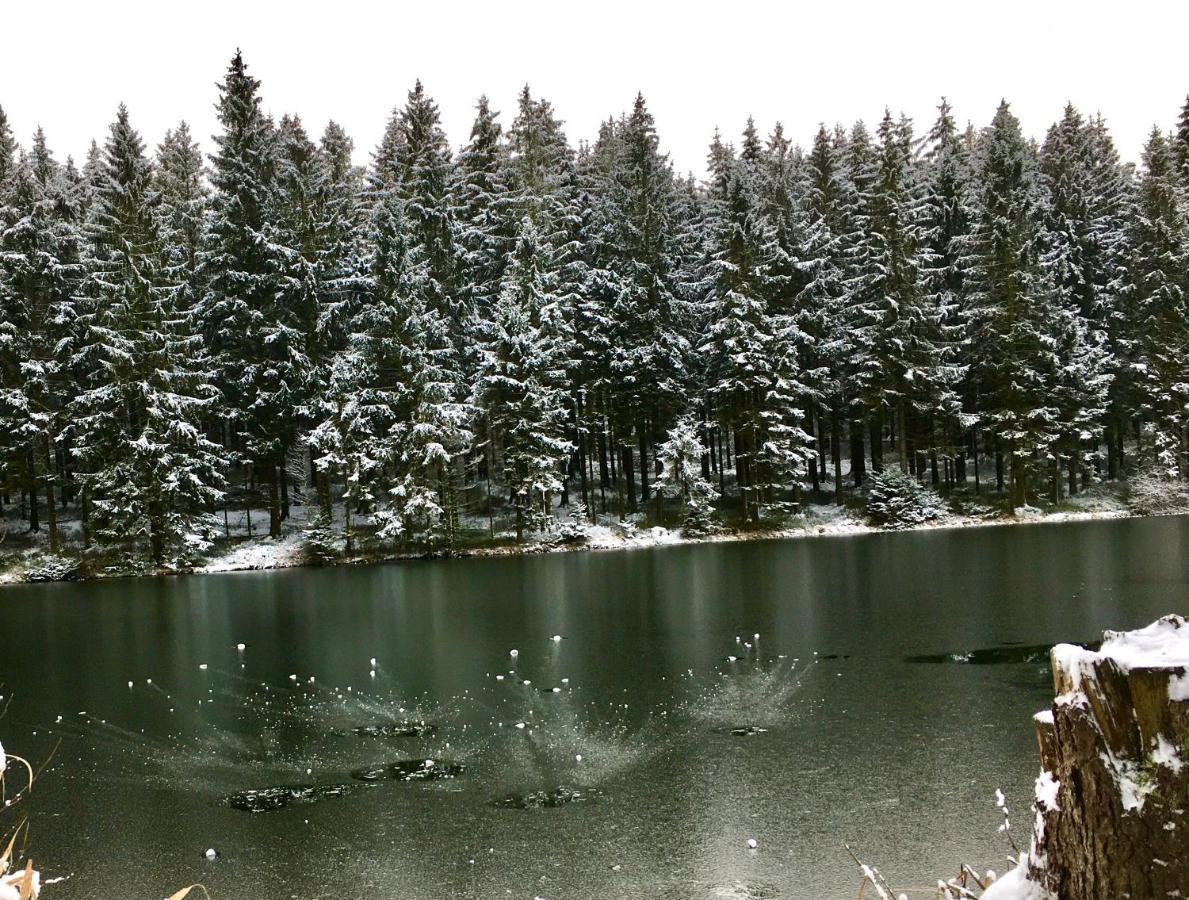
(825, 520)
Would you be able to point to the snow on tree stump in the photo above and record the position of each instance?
(1112, 801)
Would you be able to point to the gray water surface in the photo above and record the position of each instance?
(866, 730)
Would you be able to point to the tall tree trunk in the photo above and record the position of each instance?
(284, 486)
(641, 431)
(248, 496)
(85, 514)
(584, 483)
(858, 462)
(1019, 481)
(901, 437)
(875, 435)
(603, 477)
(51, 509)
(31, 491)
(836, 455)
(274, 503)
(629, 476)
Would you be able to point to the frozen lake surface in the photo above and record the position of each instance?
(377, 736)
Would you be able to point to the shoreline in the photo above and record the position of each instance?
(824, 521)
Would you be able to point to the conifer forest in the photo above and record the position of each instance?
(530, 331)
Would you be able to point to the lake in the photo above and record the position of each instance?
(888, 695)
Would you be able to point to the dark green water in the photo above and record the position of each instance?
(899, 758)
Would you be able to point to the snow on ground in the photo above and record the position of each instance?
(1016, 886)
(609, 537)
(261, 553)
(825, 520)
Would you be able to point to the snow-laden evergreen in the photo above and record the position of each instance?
(149, 474)
(450, 345)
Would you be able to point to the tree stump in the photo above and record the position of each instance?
(1112, 801)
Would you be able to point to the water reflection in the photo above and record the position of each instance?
(639, 738)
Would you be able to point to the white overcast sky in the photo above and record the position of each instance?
(66, 65)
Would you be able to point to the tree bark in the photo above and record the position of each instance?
(1116, 744)
(836, 456)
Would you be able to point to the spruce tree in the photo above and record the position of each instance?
(820, 305)
(1156, 311)
(239, 269)
(151, 476)
(649, 367)
(485, 209)
(1011, 318)
(752, 375)
(414, 162)
(946, 220)
(39, 272)
(521, 383)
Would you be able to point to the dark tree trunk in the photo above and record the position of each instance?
(274, 504)
(836, 455)
(284, 492)
(629, 476)
(603, 476)
(875, 430)
(31, 490)
(858, 461)
(51, 510)
(644, 495)
(1095, 840)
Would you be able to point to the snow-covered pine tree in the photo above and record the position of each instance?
(431, 429)
(240, 277)
(150, 473)
(1156, 308)
(39, 272)
(820, 304)
(1079, 274)
(296, 326)
(521, 383)
(8, 149)
(945, 190)
(414, 161)
(588, 291)
(339, 225)
(862, 373)
(648, 370)
(485, 209)
(753, 382)
(1180, 148)
(1111, 199)
(909, 377)
(538, 153)
(1014, 361)
(681, 476)
(179, 180)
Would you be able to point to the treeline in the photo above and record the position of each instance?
(522, 321)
